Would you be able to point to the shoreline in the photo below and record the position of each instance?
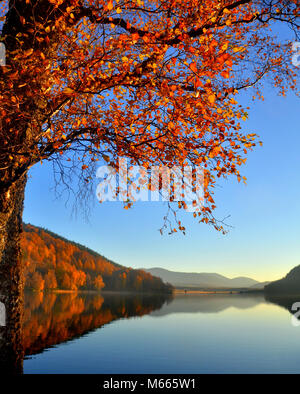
(128, 292)
(179, 291)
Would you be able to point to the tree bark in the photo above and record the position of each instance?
(11, 276)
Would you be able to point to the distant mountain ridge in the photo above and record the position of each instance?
(201, 280)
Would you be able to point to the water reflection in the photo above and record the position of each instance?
(54, 318)
(284, 301)
(210, 303)
(51, 319)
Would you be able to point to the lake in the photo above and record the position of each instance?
(93, 333)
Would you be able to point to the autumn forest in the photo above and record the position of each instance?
(52, 262)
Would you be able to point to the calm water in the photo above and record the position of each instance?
(71, 333)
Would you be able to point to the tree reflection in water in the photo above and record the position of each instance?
(52, 318)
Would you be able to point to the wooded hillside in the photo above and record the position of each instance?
(52, 262)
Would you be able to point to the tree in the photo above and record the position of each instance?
(154, 80)
(37, 282)
(66, 282)
(50, 280)
(98, 282)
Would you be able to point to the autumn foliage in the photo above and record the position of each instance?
(52, 262)
(155, 81)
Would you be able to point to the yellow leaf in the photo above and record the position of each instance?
(224, 47)
(28, 52)
(110, 5)
(238, 49)
(211, 98)
(68, 91)
(119, 10)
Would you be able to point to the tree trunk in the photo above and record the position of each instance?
(11, 276)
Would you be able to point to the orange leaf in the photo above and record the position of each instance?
(212, 98)
(193, 67)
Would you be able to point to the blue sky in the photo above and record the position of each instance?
(265, 215)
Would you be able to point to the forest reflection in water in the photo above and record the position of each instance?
(51, 319)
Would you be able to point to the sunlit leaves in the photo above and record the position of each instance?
(154, 81)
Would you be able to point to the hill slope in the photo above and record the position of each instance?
(259, 286)
(53, 262)
(202, 280)
(289, 285)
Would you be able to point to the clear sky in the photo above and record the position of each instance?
(265, 214)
